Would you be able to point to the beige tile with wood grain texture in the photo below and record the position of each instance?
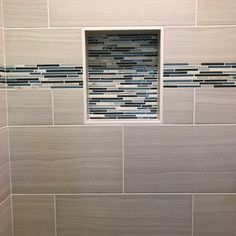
(214, 215)
(5, 218)
(4, 165)
(3, 108)
(180, 159)
(121, 13)
(194, 44)
(178, 106)
(29, 107)
(216, 105)
(1, 48)
(33, 215)
(78, 159)
(68, 106)
(124, 215)
(25, 13)
(216, 12)
(47, 46)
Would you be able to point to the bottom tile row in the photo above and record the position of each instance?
(103, 215)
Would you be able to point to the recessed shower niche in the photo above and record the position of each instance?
(122, 74)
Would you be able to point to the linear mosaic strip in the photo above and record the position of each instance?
(123, 76)
(200, 75)
(48, 75)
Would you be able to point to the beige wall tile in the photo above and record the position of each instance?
(178, 106)
(180, 159)
(124, 215)
(1, 48)
(33, 215)
(66, 159)
(214, 215)
(4, 165)
(42, 46)
(25, 13)
(220, 12)
(68, 106)
(121, 13)
(216, 105)
(28, 107)
(206, 44)
(3, 110)
(1, 23)
(5, 218)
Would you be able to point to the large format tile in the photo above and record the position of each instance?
(216, 105)
(5, 218)
(121, 13)
(1, 48)
(25, 13)
(3, 109)
(33, 215)
(68, 106)
(178, 106)
(214, 215)
(4, 165)
(66, 159)
(180, 159)
(200, 44)
(124, 215)
(29, 107)
(43, 46)
(220, 12)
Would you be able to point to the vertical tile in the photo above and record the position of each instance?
(81, 159)
(5, 218)
(1, 48)
(121, 13)
(216, 105)
(200, 44)
(218, 12)
(137, 215)
(3, 109)
(62, 46)
(178, 106)
(180, 159)
(33, 215)
(68, 106)
(29, 107)
(25, 13)
(214, 215)
(4, 165)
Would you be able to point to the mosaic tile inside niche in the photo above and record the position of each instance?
(123, 75)
(215, 75)
(44, 76)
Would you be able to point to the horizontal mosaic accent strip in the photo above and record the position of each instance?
(45, 76)
(123, 76)
(200, 75)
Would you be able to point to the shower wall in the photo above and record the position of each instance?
(5, 186)
(70, 178)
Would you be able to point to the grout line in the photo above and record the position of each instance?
(118, 125)
(55, 215)
(192, 212)
(123, 158)
(80, 27)
(194, 106)
(52, 101)
(115, 194)
(196, 12)
(48, 13)
(12, 216)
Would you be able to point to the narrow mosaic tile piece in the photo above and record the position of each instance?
(200, 75)
(123, 78)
